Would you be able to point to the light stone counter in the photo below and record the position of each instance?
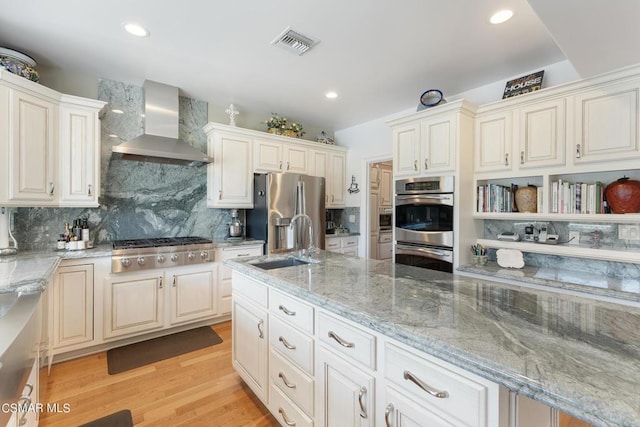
(579, 355)
(579, 281)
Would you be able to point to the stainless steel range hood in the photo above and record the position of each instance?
(160, 141)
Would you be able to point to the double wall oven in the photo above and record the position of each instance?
(424, 222)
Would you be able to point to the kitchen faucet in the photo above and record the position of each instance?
(310, 247)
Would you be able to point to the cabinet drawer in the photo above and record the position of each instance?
(292, 310)
(236, 252)
(254, 291)
(348, 242)
(332, 244)
(347, 340)
(293, 345)
(385, 238)
(466, 400)
(294, 383)
(285, 411)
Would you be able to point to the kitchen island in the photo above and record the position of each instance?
(579, 355)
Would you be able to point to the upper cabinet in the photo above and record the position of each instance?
(79, 151)
(239, 153)
(606, 124)
(530, 136)
(230, 176)
(427, 142)
(49, 146)
(276, 156)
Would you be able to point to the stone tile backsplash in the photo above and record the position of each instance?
(607, 239)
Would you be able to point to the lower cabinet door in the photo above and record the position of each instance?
(193, 294)
(347, 394)
(73, 306)
(133, 304)
(250, 344)
(401, 411)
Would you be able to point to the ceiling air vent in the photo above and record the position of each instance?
(294, 42)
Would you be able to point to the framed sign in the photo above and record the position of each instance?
(525, 84)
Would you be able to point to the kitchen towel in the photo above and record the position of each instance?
(146, 352)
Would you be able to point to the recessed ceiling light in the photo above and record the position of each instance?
(135, 29)
(331, 95)
(500, 17)
(116, 111)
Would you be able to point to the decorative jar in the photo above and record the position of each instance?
(527, 199)
(623, 196)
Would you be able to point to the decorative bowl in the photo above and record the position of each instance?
(18, 63)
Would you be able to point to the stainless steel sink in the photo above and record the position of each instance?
(280, 263)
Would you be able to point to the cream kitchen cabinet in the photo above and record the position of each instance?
(406, 149)
(230, 176)
(428, 141)
(30, 134)
(72, 307)
(224, 272)
(346, 393)
(386, 188)
(249, 337)
(606, 124)
(402, 411)
(50, 146)
(529, 135)
(194, 294)
(493, 141)
(347, 245)
(276, 156)
(80, 152)
(133, 304)
(331, 165)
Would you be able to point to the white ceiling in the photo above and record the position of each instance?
(379, 55)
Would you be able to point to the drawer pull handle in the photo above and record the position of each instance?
(280, 166)
(240, 255)
(387, 413)
(363, 410)
(286, 381)
(174, 280)
(24, 401)
(522, 157)
(286, 311)
(30, 387)
(424, 386)
(89, 192)
(286, 419)
(506, 159)
(52, 188)
(340, 340)
(286, 343)
(426, 163)
(160, 282)
(261, 332)
(578, 153)
(415, 165)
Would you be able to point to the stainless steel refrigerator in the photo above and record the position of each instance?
(277, 198)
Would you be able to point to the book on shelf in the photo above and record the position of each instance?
(577, 198)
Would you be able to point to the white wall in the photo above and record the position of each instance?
(371, 141)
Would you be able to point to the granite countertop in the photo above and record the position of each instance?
(579, 281)
(580, 355)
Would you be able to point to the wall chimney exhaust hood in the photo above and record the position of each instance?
(160, 143)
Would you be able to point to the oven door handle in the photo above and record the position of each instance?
(439, 199)
(423, 251)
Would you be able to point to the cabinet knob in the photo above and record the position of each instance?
(506, 159)
(578, 154)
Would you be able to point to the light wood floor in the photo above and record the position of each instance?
(195, 389)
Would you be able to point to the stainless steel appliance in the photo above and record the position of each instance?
(279, 197)
(144, 254)
(424, 222)
(385, 221)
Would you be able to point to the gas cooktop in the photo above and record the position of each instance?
(145, 254)
(158, 242)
